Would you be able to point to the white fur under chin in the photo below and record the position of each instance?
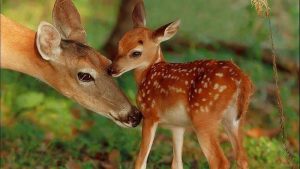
(119, 123)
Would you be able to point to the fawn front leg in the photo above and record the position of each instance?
(177, 133)
(148, 133)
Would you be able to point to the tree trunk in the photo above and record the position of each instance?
(123, 24)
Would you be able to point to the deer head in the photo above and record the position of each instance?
(80, 70)
(140, 47)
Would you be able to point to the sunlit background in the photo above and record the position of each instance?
(42, 129)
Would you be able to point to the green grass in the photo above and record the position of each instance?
(24, 145)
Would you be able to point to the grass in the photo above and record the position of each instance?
(26, 145)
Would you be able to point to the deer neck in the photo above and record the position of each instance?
(141, 72)
(19, 52)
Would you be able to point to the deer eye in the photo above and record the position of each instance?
(85, 77)
(136, 54)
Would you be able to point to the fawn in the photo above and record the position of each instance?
(199, 94)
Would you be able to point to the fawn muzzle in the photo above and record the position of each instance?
(111, 71)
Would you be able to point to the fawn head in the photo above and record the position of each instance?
(83, 70)
(140, 47)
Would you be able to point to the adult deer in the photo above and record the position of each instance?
(200, 94)
(59, 56)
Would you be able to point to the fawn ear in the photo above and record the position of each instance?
(67, 21)
(166, 32)
(138, 15)
(48, 41)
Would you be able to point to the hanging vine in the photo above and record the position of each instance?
(263, 9)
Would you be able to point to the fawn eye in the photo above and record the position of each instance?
(136, 54)
(85, 77)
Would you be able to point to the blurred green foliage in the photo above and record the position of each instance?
(265, 151)
(41, 128)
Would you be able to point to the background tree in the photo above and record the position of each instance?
(123, 24)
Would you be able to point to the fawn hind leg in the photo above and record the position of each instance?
(233, 127)
(177, 133)
(208, 140)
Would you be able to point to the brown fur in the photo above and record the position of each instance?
(200, 94)
(19, 53)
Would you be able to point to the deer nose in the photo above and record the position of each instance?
(111, 71)
(135, 117)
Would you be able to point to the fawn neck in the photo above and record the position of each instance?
(24, 56)
(141, 72)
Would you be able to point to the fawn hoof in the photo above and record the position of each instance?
(220, 165)
(177, 165)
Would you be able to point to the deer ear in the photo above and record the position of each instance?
(138, 15)
(166, 32)
(48, 41)
(67, 21)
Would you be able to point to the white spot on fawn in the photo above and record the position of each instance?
(206, 109)
(219, 74)
(216, 86)
(177, 90)
(153, 103)
(216, 96)
(143, 106)
(222, 88)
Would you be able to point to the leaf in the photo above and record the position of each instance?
(71, 164)
(114, 158)
(259, 132)
(29, 100)
(294, 143)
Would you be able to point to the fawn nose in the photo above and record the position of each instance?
(135, 117)
(111, 71)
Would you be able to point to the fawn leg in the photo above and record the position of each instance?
(148, 133)
(207, 137)
(233, 128)
(178, 133)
